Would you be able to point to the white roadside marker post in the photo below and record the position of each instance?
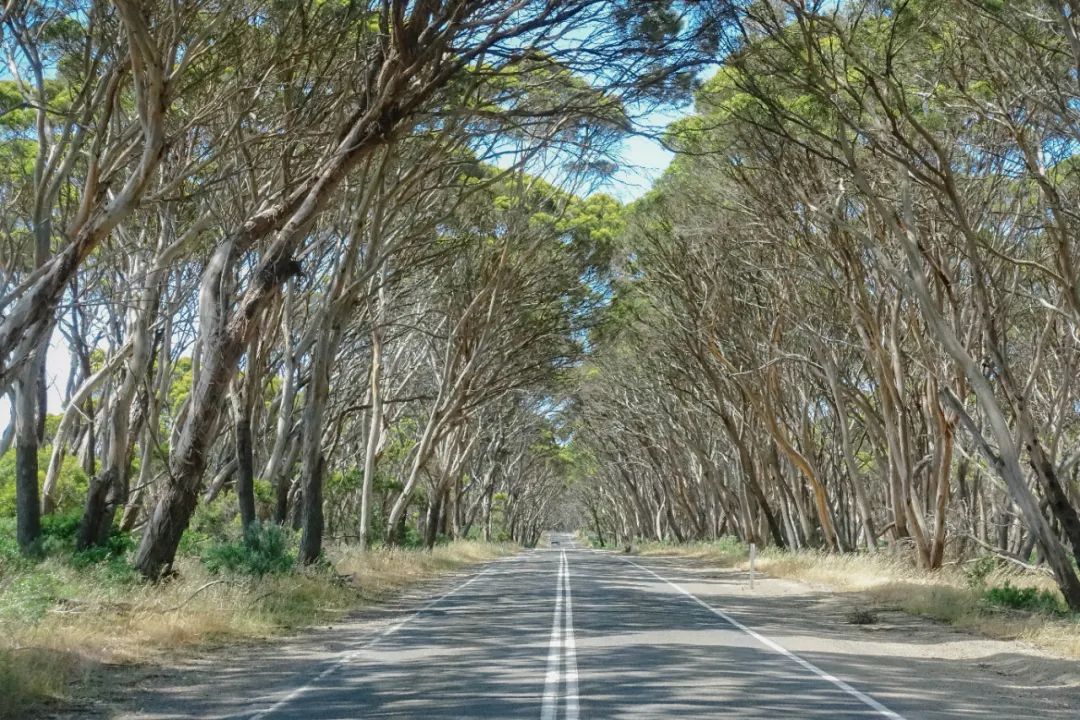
(753, 552)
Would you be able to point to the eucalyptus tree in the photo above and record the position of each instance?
(74, 148)
(236, 124)
(404, 57)
(860, 267)
(939, 186)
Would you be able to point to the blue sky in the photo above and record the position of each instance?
(643, 161)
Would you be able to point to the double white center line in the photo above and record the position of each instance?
(561, 647)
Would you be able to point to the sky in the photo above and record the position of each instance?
(643, 162)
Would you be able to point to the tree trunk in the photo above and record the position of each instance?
(487, 511)
(749, 469)
(373, 435)
(97, 521)
(276, 471)
(1006, 459)
(420, 459)
(170, 516)
(311, 537)
(862, 503)
(598, 526)
(232, 322)
(283, 485)
(312, 458)
(27, 504)
(245, 465)
(431, 522)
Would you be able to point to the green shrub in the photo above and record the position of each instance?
(499, 534)
(1023, 598)
(12, 561)
(977, 572)
(71, 483)
(114, 551)
(62, 526)
(265, 497)
(264, 550)
(730, 544)
(58, 532)
(212, 523)
(412, 537)
(193, 542)
(57, 538)
(58, 535)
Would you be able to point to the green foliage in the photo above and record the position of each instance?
(411, 538)
(264, 550)
(97, 359)
(112, 556)
(10, 557)
(339, 487)
(402, 439)
(18, 116)
(71, 483)
(342, 482)
(52, 422)
(264, 496)
(212, 522)
(58, 531)
(1024, 598)
(977, 572)
(58, 537)
(729, 544)
(179, 385)
(31, 586)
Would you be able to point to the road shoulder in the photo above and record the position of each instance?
(885, 656)
(258, 669)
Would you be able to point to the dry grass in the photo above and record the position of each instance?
(58, 623)
(385, 571)
(893, 581)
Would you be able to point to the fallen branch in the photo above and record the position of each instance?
(192, 595)
(1011, 558)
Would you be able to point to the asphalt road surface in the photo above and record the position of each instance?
(564, 633)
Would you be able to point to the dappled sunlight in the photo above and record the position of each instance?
(644, 650)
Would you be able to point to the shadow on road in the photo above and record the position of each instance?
(644, 651)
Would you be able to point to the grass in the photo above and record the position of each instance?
(61, 620)
(994, 600)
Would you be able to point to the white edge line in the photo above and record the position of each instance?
(572, 709)
(776, 647)
(352, 654)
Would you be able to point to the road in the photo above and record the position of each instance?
(565, 633)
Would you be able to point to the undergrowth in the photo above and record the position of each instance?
(1025, 598)
(263, 550)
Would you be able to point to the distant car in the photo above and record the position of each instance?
(554, 542)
